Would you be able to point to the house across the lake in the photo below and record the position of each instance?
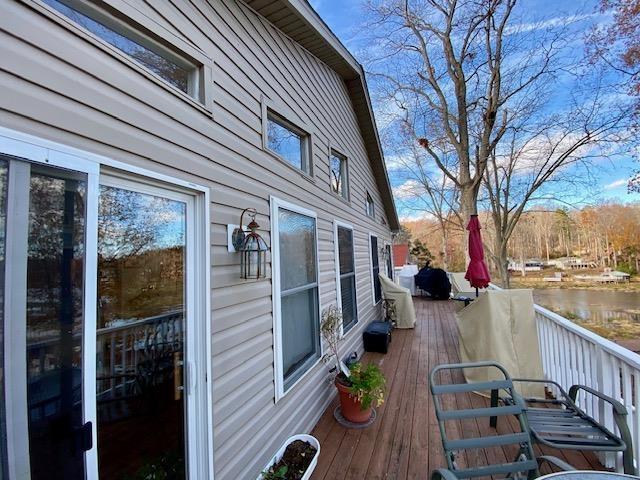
(133, 136)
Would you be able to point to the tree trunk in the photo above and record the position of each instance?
(468, 207)
(546, 244)
(445, 240)
(502, 263)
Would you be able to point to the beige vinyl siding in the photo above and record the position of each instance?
(59, 85)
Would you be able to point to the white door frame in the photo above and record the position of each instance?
(199, 448)
(15, 307)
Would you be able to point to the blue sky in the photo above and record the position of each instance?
(345, 18)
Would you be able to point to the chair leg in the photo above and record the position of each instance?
(627, 461)
(493, 421)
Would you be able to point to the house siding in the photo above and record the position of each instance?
(60, 85)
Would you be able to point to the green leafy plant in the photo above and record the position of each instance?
(169, 466)
(279, 474)
(367, 384)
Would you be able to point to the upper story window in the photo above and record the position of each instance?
(370, 206)
(338, 170)
(289, 142)
(167, 64)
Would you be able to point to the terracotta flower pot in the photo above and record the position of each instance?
(351, 407)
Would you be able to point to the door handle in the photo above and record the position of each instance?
(83, 437)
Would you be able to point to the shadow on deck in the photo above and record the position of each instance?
(404, 442)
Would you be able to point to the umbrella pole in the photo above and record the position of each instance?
(476, 292)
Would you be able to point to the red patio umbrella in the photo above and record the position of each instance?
(477, 271)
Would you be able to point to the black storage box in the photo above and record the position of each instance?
(377, 337)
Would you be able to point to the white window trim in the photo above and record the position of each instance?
(39, 150)
(202, 77)
(290, 121)
(278, 362)
(373, 286)
(366, 205)
(336, 249)
(387, 243)
(338, 151)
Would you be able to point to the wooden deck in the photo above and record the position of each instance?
(404, 442)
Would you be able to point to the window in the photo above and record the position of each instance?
(162, 61)
(296, 299)
(375, 269)
(388, 257)
(338, 171)
(290, 143)
(371, 208)
(346, 276)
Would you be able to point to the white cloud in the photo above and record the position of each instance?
(413, 217)
(617, 184)
(547, 24)
(408, 189)
(395, 162)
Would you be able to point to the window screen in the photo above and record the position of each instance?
(375, 264)
(298, 294)
(347, 278)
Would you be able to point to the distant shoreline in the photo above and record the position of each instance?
(538, 283)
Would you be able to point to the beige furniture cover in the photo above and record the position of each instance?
(405, 313)
(500, 326)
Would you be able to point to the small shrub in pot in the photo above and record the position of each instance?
(364, 388)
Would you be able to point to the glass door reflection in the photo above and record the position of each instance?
(141, 335)
(54, 322)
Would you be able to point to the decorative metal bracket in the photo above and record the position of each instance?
(239, 234)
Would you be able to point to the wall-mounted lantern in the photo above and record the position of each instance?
(251, 246)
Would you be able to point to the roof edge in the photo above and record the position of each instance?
(345, 64)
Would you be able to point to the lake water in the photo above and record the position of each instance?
(601, 307)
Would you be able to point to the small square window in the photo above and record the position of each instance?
(288, 142)
(371, 208)
(338, 171)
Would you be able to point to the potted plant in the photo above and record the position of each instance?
(296, 459)
(361, 387)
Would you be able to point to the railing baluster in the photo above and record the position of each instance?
(635, 416)
(112, 361)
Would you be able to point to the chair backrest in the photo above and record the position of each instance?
(525, 461)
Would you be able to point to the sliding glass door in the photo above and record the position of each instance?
(44, 320)
(103, 331)
(141, 332)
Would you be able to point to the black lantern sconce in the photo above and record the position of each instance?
(252, 248)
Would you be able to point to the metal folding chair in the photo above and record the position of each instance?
(559, 423)
(524, 465)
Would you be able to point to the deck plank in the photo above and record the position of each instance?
(404, 442)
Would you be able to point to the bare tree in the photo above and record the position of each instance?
(536, 153)
(427, 191)
(462, 72)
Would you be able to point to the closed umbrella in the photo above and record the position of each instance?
(477, 271)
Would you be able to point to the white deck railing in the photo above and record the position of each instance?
(573, 355)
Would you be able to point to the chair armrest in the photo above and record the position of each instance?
(443, 474)
(618, 408)
(620, 417)
(542, 381)
(556, 462)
